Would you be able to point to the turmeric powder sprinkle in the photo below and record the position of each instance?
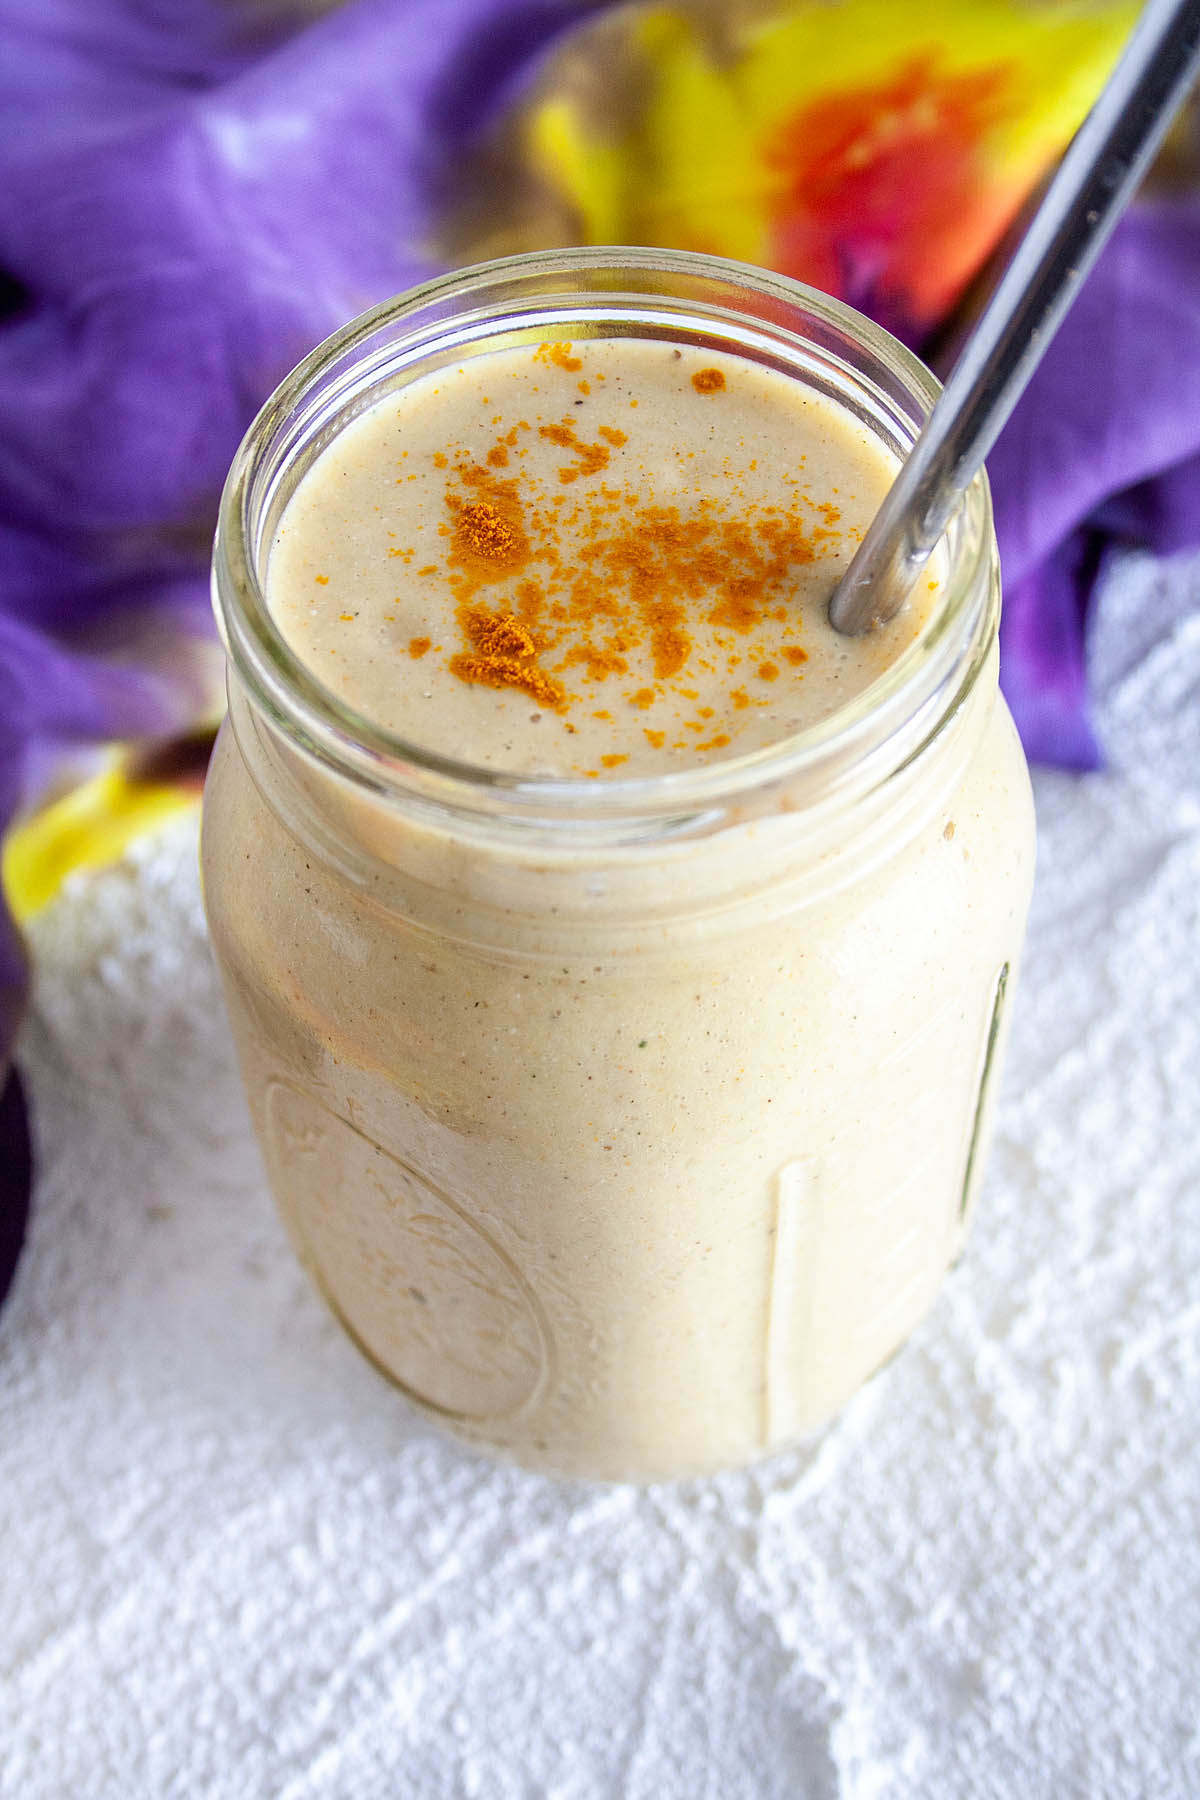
(558, 356)
(486, 542)
(504, 653)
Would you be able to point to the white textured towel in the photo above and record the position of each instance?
(235, 1564)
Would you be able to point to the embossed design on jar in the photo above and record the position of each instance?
(789, 1314)
(987, 1071)
(422, 1288)
(843, 1296)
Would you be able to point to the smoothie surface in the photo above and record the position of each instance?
(603, 557)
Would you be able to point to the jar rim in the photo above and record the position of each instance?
(738, 305)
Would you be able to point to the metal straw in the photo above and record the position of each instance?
(1104, 163)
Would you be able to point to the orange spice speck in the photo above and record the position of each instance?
(613, 761)
(708, 381)
(322, 580)
(655, 739)
(795, 655)
(487, 543)
(559, 355)
(592, 457)
(503, 654)
(500, 634)
(419, 646)
(768, 671)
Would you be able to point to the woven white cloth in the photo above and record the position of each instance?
(235, 1564)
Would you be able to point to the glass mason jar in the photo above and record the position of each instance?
(627, 1126)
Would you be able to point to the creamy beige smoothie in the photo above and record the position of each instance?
(627, 1156)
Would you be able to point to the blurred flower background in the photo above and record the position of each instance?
(194, 192)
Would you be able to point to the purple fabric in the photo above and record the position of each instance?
(1103, 447)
